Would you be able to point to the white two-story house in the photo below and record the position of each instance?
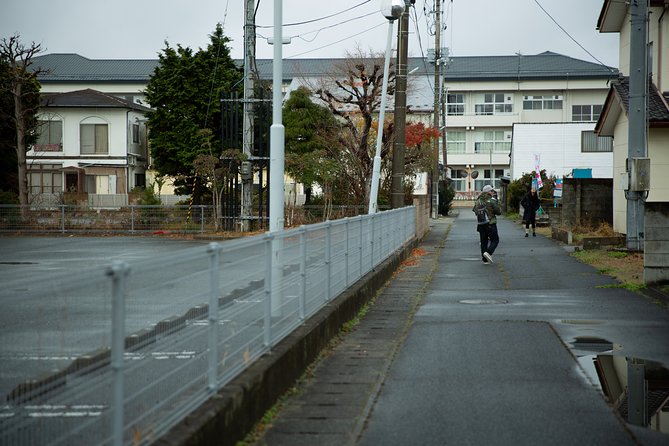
(89, 143)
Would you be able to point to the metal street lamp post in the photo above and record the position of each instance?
(392, 10)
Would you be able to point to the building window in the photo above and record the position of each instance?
(140, 180)
(593, 143)
(99, 184)
(135, 133)
(46, 179)
(455, 142)
(587, 113)
(456, 104)
(494, 103)
(94, 139)
(50, 136)
(459, 179)
(553, 102)
(492, 140)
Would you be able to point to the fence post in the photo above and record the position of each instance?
(360, 246)
(214, 250)
(132, 218)
(268, 290)
(201, 219)
(62, 219)
(328, 260)
(303, 272)
(371, 241)
(118, 273)
(347, 248)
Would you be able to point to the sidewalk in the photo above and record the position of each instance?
(457, 352)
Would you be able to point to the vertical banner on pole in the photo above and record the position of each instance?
(537, 171)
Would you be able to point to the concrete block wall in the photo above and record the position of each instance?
(656, 244)
(587, 202)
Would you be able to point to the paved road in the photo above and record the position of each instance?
(47, 321)
(458, 352)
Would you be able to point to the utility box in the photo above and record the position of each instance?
(246, 170)
(639, 174)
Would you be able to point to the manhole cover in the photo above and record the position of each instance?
(483, 301)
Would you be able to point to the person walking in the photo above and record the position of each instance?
(531, 205)
(486, 209)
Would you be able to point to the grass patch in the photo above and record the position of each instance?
(626, 267)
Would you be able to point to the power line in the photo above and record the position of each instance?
(317, 31)
(420, 45)
(338, 41)
(318, 19)
(569, 35)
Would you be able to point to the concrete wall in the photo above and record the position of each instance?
(656, 244)
(422, 215)
(587, 201)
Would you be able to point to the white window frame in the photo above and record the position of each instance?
(95, 143)
(489, 104)
(496, 140)
(457, 106)
(456, 141)
(542, 102)
(50, 136)
(587, 112)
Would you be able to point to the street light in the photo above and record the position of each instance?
(391, 10)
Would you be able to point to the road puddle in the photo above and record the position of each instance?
(637, 388)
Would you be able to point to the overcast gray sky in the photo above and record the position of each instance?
(137, 29)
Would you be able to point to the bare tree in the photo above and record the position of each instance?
(353, 93)
(24, 89)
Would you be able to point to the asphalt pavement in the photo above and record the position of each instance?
(457, 352)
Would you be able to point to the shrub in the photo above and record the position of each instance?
(7, 197)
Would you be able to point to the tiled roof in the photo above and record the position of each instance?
(658, 108)
(76, 68)
(88, 98)
(547, 65)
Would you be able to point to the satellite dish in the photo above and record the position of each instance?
(475, 174)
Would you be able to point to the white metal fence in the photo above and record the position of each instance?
(160, 348)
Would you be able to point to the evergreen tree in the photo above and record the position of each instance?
(184, 92)
(309, 130)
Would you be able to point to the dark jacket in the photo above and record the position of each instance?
(531, 205)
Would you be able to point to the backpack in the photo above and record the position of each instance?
(481, 213)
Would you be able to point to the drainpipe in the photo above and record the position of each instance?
(659, 49)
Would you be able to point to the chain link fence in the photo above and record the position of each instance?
(159, 346)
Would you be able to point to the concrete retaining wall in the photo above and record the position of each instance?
(587, 202)
(656, 244)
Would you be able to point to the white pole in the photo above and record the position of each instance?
(376, 168)
(277, 131)
(276, 164)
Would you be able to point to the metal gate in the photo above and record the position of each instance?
(233, 213)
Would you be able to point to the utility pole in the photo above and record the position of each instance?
(397, 184)
(637, 165)
(437, 105)
(248, 131)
